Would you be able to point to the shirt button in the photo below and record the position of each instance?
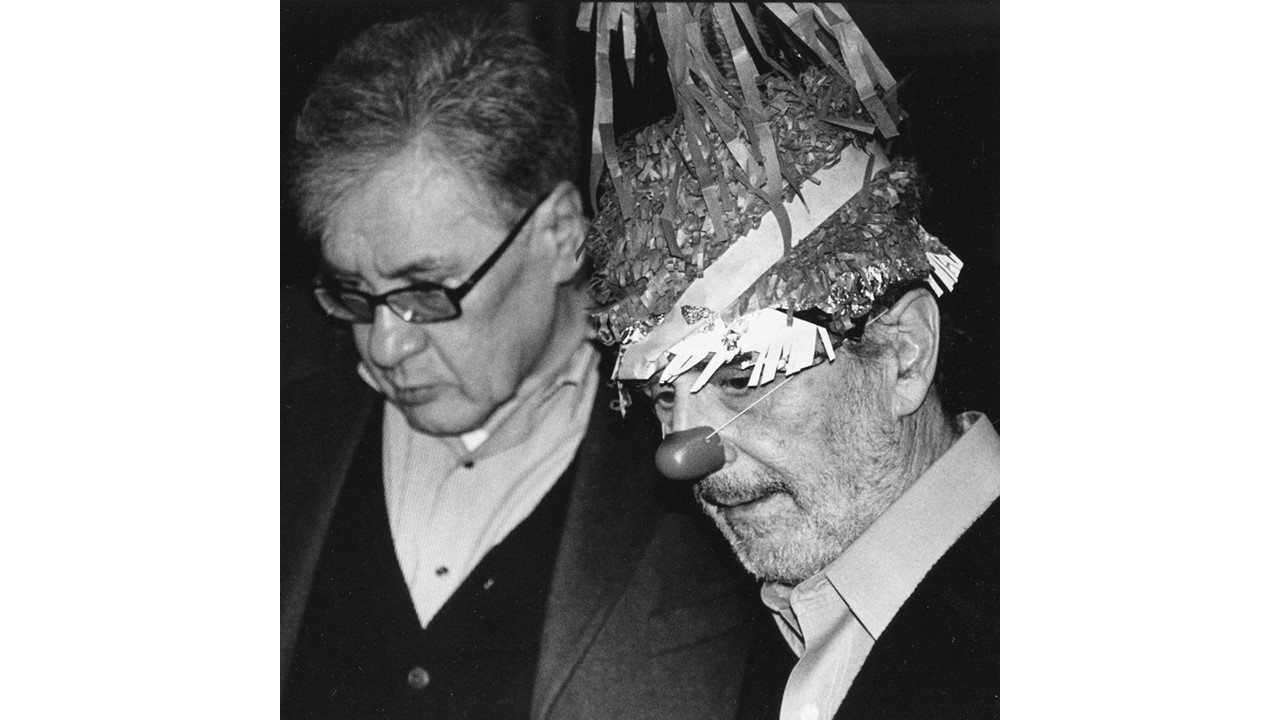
(809, 712)
(418, 678)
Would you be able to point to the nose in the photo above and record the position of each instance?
(691, 450)
(687, 409)
(680, 403)
(391, 339)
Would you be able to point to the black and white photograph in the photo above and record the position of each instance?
(648, 361)
(640, 360)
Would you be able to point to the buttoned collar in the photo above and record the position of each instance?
(875, 575)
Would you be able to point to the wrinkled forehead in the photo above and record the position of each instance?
(412, 209)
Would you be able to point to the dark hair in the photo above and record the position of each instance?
(477, 92)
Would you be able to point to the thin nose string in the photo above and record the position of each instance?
(785, 380)
(755, 402)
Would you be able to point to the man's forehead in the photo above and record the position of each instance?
(413, 215)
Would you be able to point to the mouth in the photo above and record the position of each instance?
(725, 497)
(420, 395)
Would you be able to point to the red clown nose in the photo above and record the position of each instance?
(690, 454)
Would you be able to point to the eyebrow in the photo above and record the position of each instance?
(429, 265)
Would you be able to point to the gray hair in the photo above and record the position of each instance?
(477, 93)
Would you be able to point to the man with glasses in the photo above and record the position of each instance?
(468, 529)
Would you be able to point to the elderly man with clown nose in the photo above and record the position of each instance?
(789, 336)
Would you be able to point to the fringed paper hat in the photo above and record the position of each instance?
(763, 196)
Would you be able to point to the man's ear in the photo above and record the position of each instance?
(911, 328)
(563, 226)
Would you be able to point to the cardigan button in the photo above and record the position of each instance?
(418, 678)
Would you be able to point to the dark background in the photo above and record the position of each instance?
(948, 53)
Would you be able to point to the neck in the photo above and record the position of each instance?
(569, 333)
(925, 435)
(896, 455)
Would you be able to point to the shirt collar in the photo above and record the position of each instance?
(877, 573)
(513, 422)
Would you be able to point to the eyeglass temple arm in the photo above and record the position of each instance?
(456, 294)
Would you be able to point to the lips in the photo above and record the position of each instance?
(419, 395)
(724, 492)
(736, 499)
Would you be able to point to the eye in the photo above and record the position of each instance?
(664, 397)
(733, 381)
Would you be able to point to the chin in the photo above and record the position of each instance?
(778, 555)
(438, 419)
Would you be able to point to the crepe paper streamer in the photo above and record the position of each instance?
(602, 140)
(724, 127)
(680, 365)
(777, 346)
(858, 125)
(800, 354)
(805, 20)
(597, 158)
(708, 179)
(775, 207)
(808, 31)
(671, 17)
(669, 234)
(584, 16)
(946, 267)
(752, 255)
(861, 61)
(716, 362)
(765, 339)
(701, 62)
(747, 78)
(826, 345)
(803, 25)
(602, 105)
(716, 108)
(756, 372)
(882, 75)
(767, 361)
(629, 40)
(743, 11)
(865, 84)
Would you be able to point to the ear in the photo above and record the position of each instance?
(911, 329)
(562, 228)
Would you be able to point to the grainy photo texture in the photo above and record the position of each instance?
(639, 360)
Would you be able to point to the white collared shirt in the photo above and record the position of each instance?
(833, 619)
(450, 500)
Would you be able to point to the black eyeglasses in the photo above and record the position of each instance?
(425, 302)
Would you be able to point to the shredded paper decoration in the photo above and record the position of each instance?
(737, 164)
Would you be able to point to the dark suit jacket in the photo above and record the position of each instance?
(648, 615)
(940, 655)
(939, 658)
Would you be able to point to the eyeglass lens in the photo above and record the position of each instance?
(413, 305)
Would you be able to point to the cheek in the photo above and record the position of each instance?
(360, 334)
(664, 417)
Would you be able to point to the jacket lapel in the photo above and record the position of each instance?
(610, 518)
(321, 424)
